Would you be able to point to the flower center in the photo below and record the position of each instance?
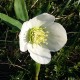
(37, 35)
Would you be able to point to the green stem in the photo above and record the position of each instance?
(36, 78)
(37, 70)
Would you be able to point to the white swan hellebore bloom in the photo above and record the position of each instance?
(40, 35)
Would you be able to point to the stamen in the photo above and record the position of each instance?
(37, 35)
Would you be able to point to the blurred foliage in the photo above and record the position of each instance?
(65, 64)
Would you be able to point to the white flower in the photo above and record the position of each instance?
(40, 35)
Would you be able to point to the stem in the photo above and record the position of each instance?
(37, 70)
(36, 78)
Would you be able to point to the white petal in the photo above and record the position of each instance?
(23, 36)
(39, 54)
(42, 19)
(25, 27)
(22, 43)
(57, 36)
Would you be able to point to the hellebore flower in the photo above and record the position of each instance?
(40, 35)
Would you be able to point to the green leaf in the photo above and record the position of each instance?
(10, 20)
(21, 10)
(67, 5)
(46, 7)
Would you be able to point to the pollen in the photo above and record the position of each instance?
(37, 35)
